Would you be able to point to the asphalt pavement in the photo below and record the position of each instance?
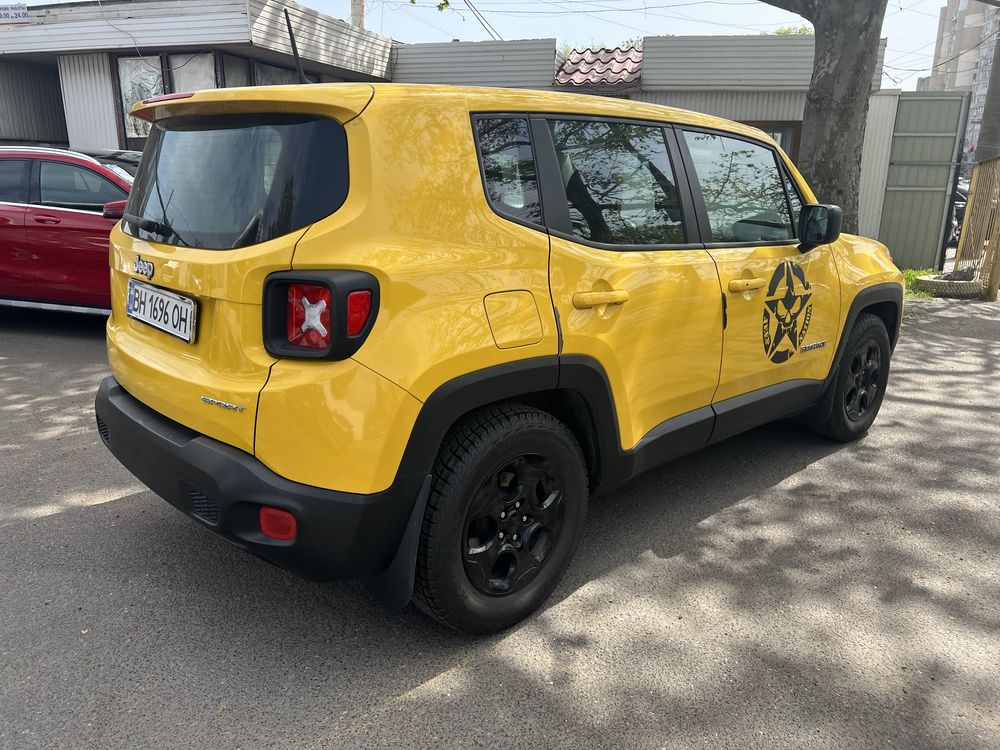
(776, 590)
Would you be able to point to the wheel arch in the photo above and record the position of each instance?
(583, 404)
(889, 312)
(882, 300)
(575, 390)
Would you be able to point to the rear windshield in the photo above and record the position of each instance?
(223, 182)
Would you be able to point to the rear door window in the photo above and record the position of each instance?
(64, 185)
(742, 187)
(619, 182)
(13, 185)
(508, 167)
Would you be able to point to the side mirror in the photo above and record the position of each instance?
(116, 209)
(819, 224)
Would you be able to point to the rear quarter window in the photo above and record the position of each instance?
(508, 168)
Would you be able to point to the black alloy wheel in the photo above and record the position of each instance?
(513, 525)
(853, 401)
(507, 505)
(864, 381)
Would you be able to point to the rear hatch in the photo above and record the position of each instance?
(229, 182)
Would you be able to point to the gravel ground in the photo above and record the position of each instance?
(772, 591)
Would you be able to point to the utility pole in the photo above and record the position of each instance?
(358, 13)
(989, 134)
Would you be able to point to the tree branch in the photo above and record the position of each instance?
(802, 8)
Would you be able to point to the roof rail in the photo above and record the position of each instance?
(47, 150)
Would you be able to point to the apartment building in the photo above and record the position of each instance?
(963, 56)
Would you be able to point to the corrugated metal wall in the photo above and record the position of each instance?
(758, 106)
(319, 37)
(30, 107)
(925, 145)
(875, 160)
(123, 25)
(748, 63)
(529, 63)
(88, 95)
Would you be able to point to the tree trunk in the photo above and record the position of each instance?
(988, 145)
(833, 129)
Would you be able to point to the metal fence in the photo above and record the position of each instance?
(979, 245)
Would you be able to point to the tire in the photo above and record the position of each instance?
(478, 572)
(861, 382)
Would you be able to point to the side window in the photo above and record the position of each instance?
(509, 168)
(742, 187)
(70, 186)
(619, 182)
(13, 188)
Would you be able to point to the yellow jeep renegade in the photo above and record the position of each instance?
(401, 333)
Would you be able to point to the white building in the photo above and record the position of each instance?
(70, 73)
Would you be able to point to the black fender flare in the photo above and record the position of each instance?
(454, 399)
(579, 375)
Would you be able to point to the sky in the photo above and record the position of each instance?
(910, 25)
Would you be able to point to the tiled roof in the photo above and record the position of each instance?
(607, 67)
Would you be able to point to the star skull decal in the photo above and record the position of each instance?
(787, 311)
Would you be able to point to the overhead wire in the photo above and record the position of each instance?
(482, 21)
(981, 42)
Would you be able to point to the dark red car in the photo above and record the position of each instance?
(57, 208)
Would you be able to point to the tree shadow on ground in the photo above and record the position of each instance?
(774, 590)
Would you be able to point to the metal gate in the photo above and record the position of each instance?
(926, 144)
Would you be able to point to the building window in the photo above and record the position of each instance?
(785, 134)
(270, 75)
(236, 71)
(192, 72)
(141, 78)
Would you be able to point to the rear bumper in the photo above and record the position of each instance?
(340, 534)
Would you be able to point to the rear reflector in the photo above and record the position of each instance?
(308, 316)
(359, 307)
(276, 523)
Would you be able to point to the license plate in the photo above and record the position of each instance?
(164, 311)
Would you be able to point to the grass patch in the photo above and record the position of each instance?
(910, 277)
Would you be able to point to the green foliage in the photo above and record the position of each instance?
(565, 47)
(442, 4)
(788, 30)
(910, 277)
